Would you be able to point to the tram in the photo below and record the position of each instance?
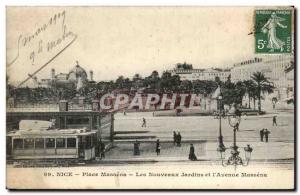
(42, 141)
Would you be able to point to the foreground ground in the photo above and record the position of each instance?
(203, 133)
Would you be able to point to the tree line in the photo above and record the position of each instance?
(232, 92)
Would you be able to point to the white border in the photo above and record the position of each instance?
(5, 3)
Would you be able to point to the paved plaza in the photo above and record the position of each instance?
(202, 131)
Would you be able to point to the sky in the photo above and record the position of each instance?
(114, 41)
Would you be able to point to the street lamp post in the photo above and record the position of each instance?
(221, 144)
(234, 119)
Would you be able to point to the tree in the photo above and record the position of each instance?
(184, 66)
(9, 88)
(228, 92)
(67, 93)
(105, 86)
(186, 86)
(123, 83)
(232, 92)
(169, 83)
(250, 90)
(154, 74)
(262, 85)
(152, 82)
(240, 91)
(136, 77)
(127, 83)
(218, 80)
(204, 87)
(137, 81)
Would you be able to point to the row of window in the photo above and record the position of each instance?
(41, 143)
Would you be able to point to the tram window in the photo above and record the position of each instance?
(18, 143)
(28, 143)
(60, 143)
(78, 120)
(50, 143)
(39, 143)
(71, 143)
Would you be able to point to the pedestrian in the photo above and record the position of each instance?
(157, 147)
(274, 121)
(124, 112)
(174, 137)
(261, 132)
(192, 155)
(266, 133)
(98, 149)
(136, 148)
(178, 139)
(102, 150)
(237, 126)
(144, 122)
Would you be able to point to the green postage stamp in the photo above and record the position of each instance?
(273, 31)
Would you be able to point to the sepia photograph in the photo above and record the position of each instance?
(144, 98)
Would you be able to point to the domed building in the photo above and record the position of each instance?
(77, 73)
(77, 77)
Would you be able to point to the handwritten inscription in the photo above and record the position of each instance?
(44, 44)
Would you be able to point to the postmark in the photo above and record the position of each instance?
(273, 31)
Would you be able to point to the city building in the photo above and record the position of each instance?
(277, 69)
(77, 77)
(187, 72)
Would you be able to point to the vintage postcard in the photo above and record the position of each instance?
(150, 98)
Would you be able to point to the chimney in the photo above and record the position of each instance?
(52, 73)
(91, 75)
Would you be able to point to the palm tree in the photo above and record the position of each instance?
(250, 90)
(262, 85)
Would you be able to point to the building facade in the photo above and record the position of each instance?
(77, 77)
(277, 69)
(187, 72)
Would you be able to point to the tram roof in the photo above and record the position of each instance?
(59, 113)
(48, 133)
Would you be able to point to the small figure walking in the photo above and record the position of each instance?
(261, 133)
(178, 140)
(192, 155)
(157, 147)
(102, 150)
(174, 137)
(136, 148)
(144, 122)
(274, 121)
(237, 126)
(266, 132)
